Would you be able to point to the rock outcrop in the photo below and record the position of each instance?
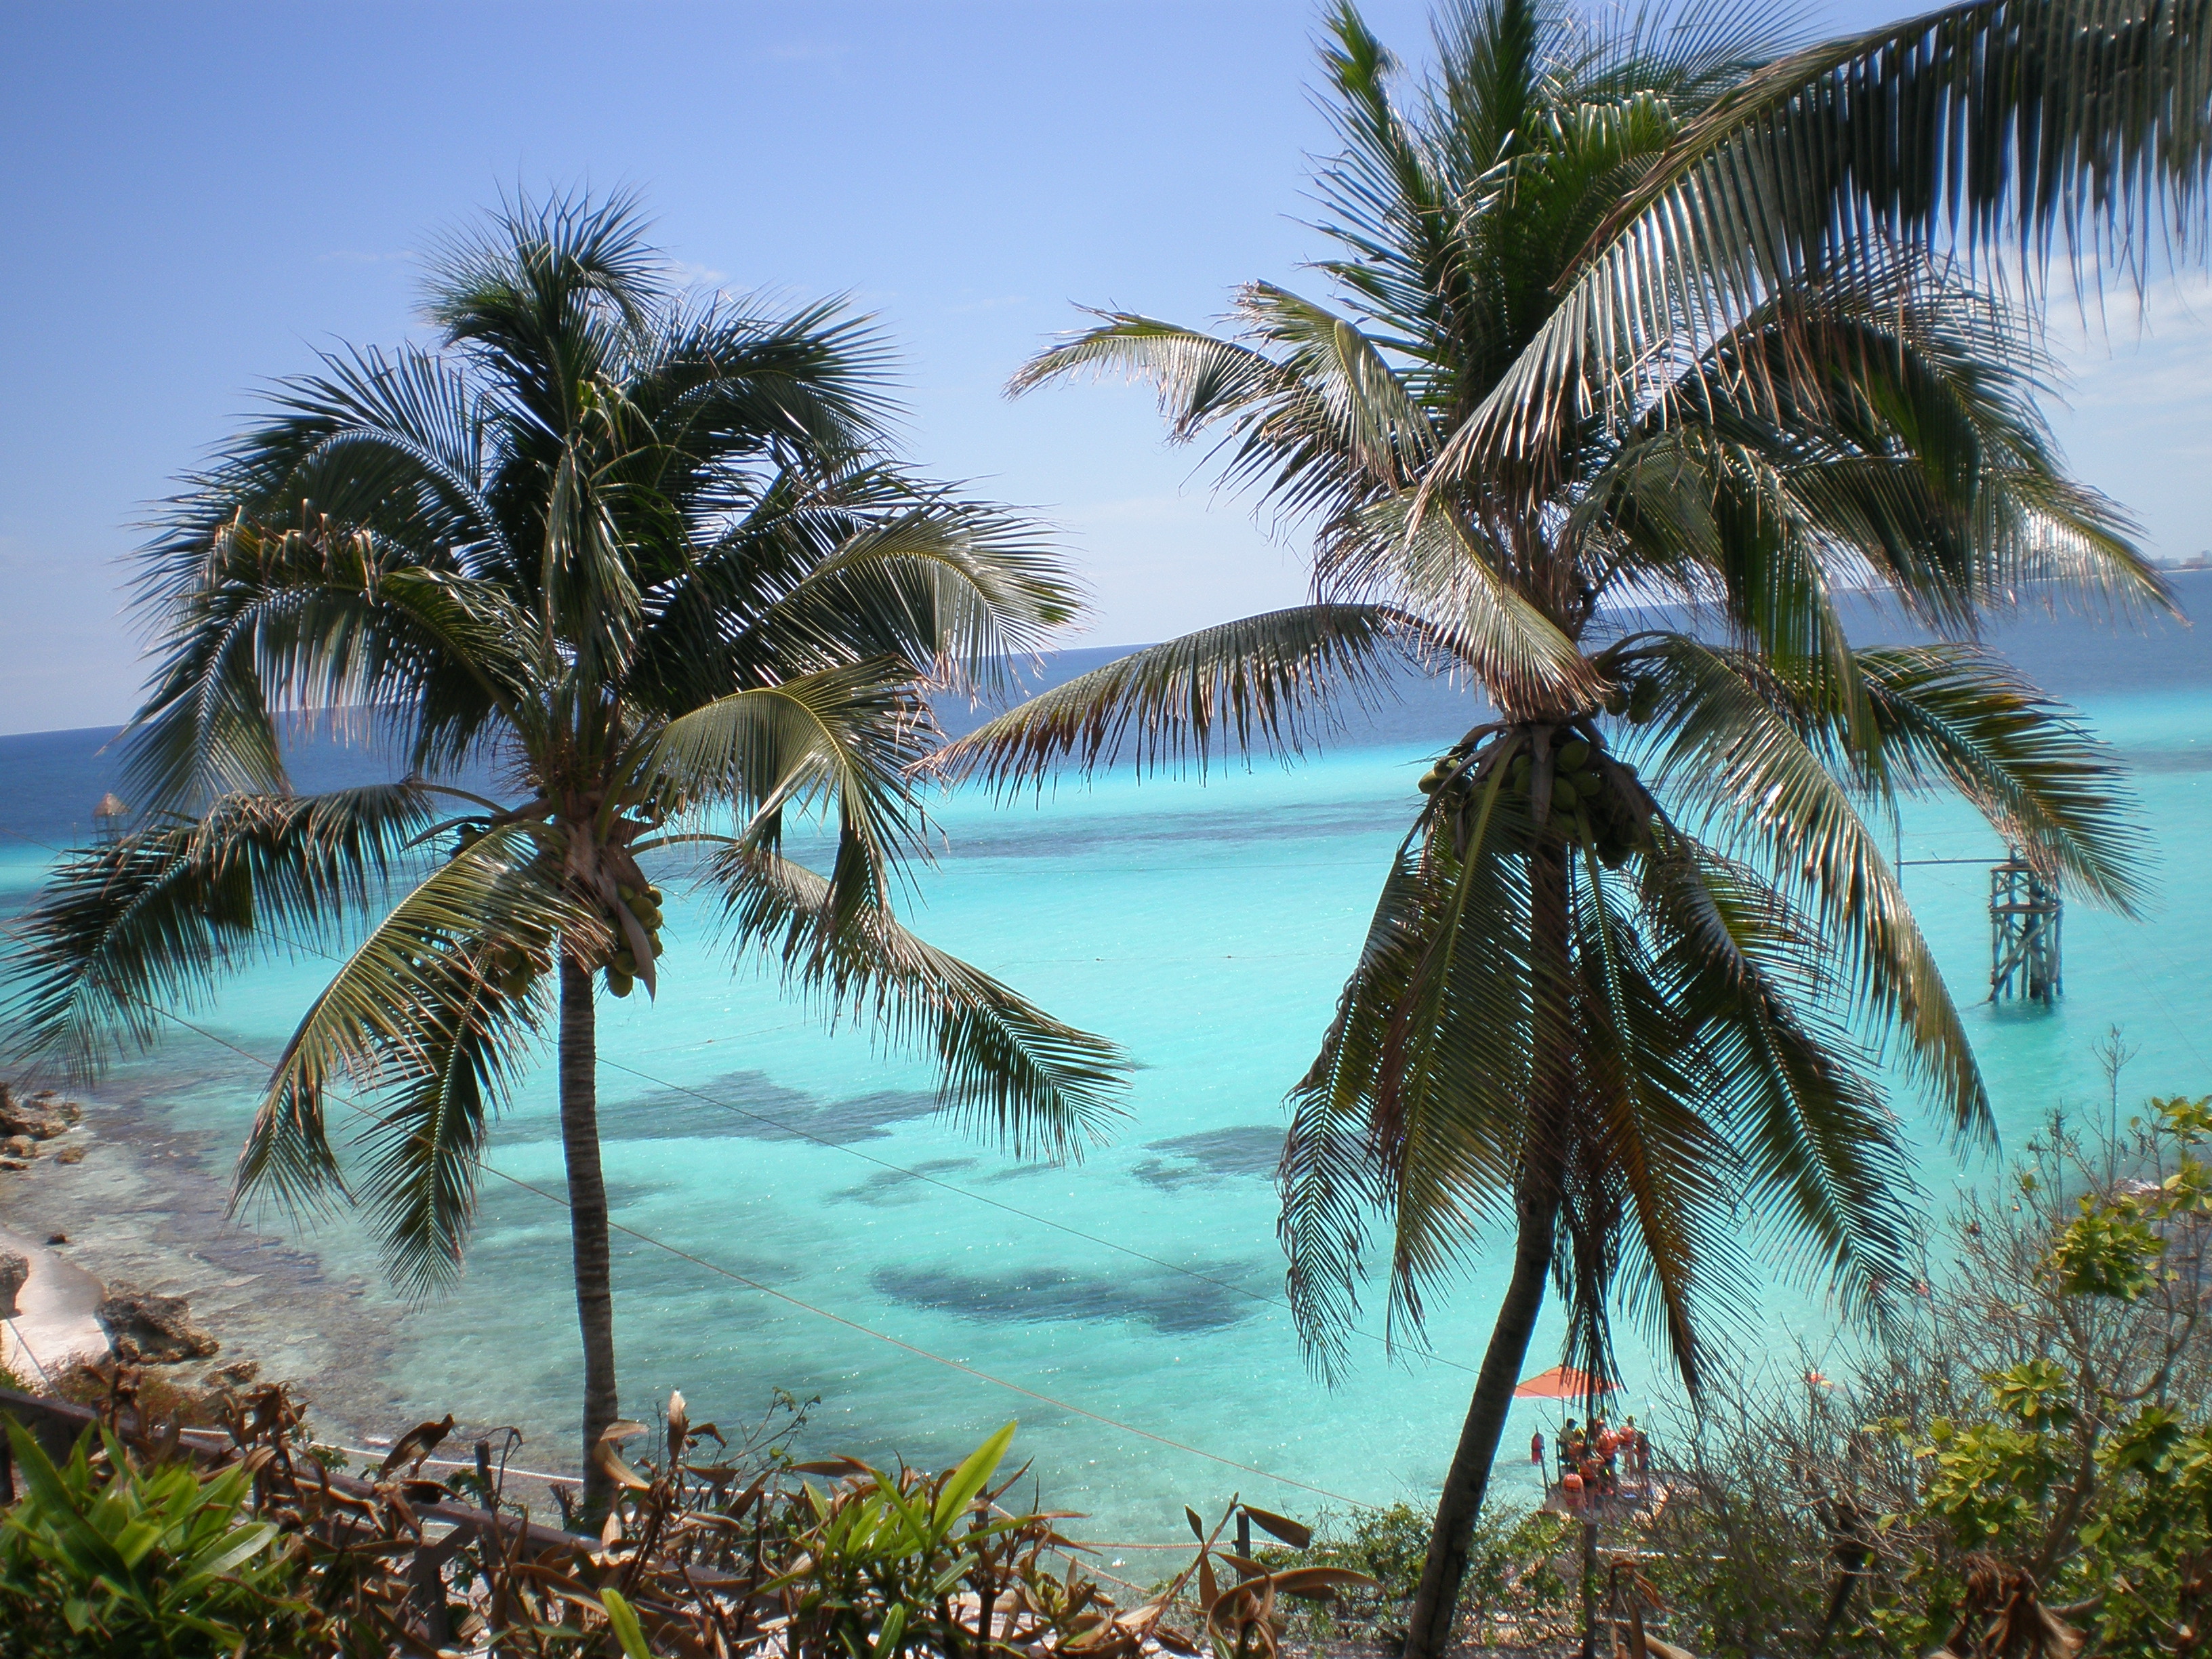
(14, 1273)
(155, 1328)
(42, 1116)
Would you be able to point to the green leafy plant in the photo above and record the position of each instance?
(104, 1554)
(2023, 1468)
(881, 1555)
(1511, 1583)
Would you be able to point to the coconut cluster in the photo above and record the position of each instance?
(644, 904)
(1593, 796)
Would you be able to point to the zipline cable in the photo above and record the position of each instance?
(797, 1133)
(804, 1306)
(970, 1193)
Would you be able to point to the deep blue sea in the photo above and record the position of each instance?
(1206, 927)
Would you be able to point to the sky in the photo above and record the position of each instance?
(204, 197)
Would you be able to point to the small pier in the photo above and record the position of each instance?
(2026, 917)
(1637, 1499)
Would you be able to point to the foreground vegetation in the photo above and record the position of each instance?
(2024, 1471)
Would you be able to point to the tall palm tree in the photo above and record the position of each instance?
(1639, 317)
(644, 555)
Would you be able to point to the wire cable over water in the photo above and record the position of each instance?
(853, 1325)
(970, 1193)
(785, 1128)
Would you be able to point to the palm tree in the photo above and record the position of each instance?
(1638, 322)
(642, 554)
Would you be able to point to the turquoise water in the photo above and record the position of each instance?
(1207, 929)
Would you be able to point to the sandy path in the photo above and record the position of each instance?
(54, 1323)
(146, 1208)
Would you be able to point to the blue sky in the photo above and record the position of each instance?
(202, 196)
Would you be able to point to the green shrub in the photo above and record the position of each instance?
(1387, 1545)
(1509, 1573)
(2039, 1418)
(104, 1556)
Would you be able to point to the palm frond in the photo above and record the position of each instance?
(1651, 1163)
(1898, 414)
(1438, 566)
(424, 1149)
(549, 295)
(1331, 1179)
(403, 445)
(150, 922)
(1264, 681)
(1371, 417)
(1199, 376)
(2001, 127)
(1306, 443)
(1730, 745)
(850, 733)
(1005, 1066)
(1960, 714)
(956, 591)
(416, 1008)
(1824, 1171)
(722, 382)
(318, 622)
(1424, 1075)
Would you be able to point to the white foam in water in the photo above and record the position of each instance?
(1208, 929)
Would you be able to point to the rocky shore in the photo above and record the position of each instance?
(112, 1228)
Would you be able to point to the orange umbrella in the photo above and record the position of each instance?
(1564, 1382)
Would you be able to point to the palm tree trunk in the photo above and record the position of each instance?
(588, 1222)
(1436, 1603)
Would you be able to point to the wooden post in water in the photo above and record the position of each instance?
(108, 818)
(2025, 916)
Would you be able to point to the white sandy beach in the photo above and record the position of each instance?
(54, 1326)
(145, 1208)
